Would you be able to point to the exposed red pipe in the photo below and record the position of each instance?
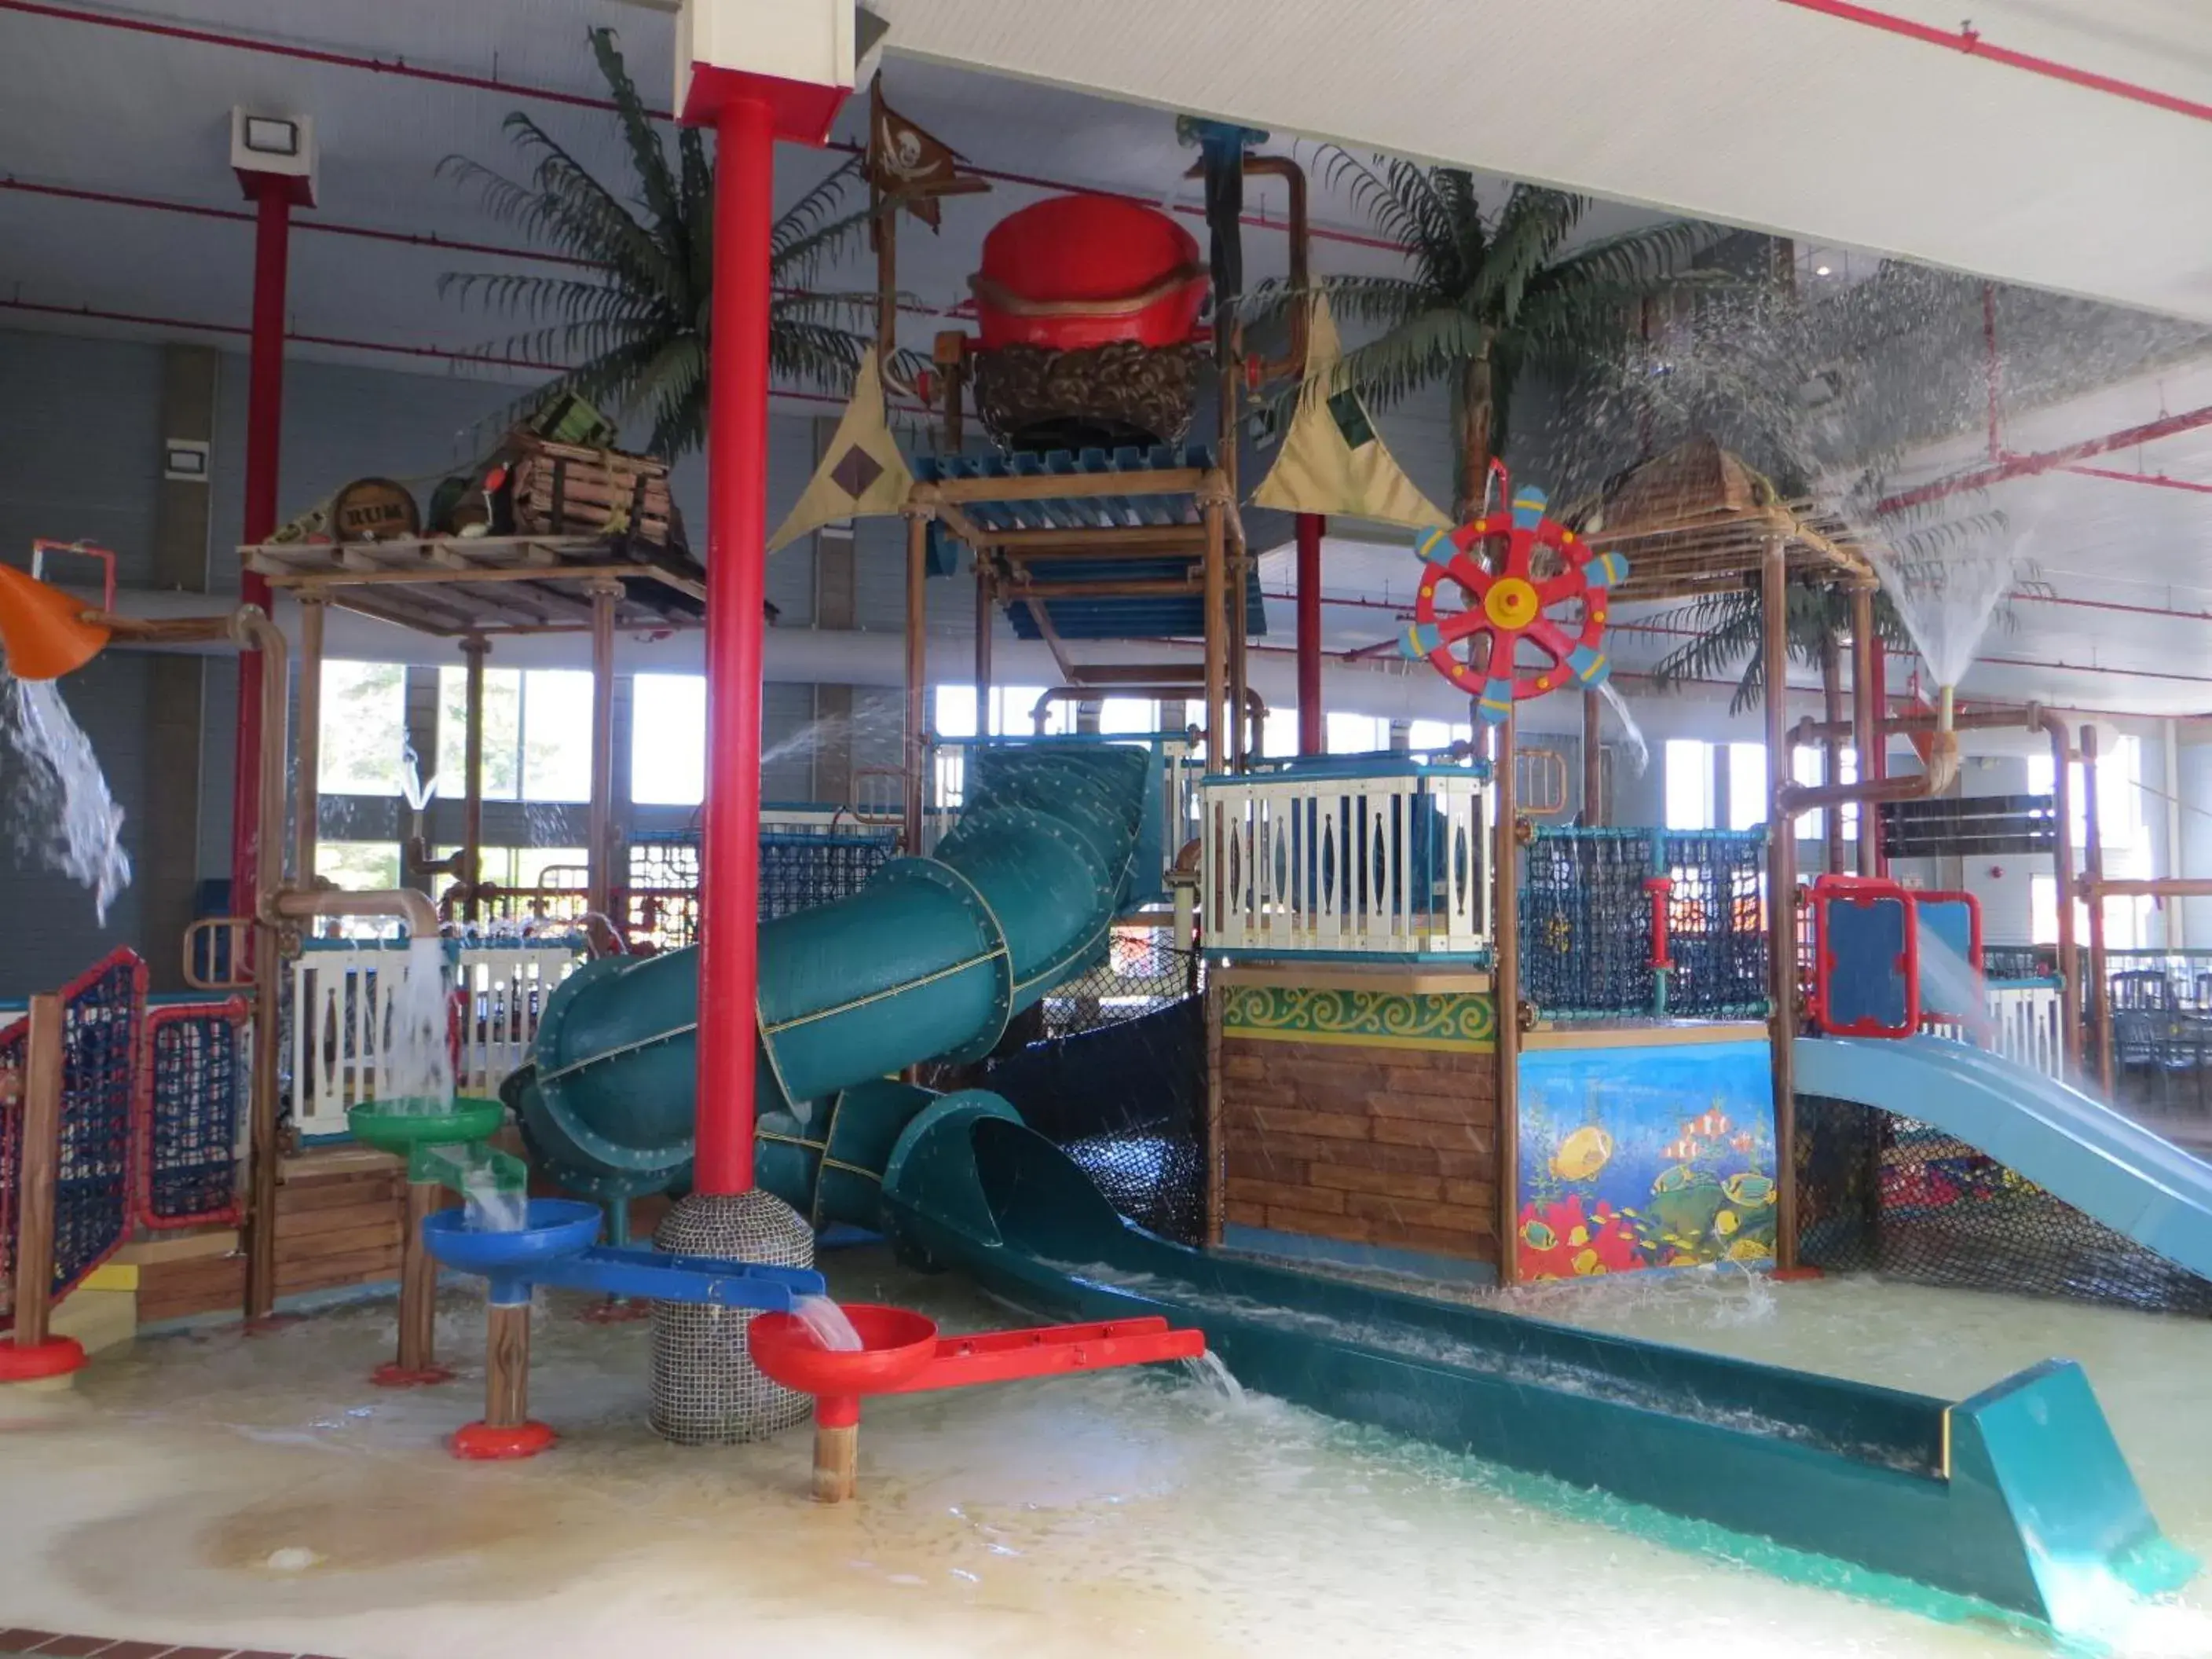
(1312, 734)
(1968, 39)
(399, 69)
(265, 418)
(2157, 480)
(2016, 466)
(736, 653)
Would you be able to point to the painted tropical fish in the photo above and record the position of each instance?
(1582, 1154)
(1743, 1140)
(1673, 1180)
(1713, 1125)
(1749, 1189)
(1750, 1249)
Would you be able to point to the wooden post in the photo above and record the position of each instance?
(306, 783)
(917, 686)
(1239, 660)
(1505, 989)
(2093, 872)
(600, 854)
(1866, 717)
(1781, 896)
(474, 647)
(1832, 749)
(882, 230)
(1593, 758)
(985, 612)
(950, 352)
(507, 1430)
(416, 1361)
(2061, 882)
(1216, 730)
(836, 1461)
(36, 1351)
(264, 1153)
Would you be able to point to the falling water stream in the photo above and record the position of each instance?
(54, 801)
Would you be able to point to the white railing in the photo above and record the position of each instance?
(2024, 1024)
(342, 1002)
(1374, 856)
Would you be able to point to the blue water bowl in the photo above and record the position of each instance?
(558, 1227)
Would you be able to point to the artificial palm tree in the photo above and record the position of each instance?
(638, 327)
(1485, 297)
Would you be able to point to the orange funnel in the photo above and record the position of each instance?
(43, 631)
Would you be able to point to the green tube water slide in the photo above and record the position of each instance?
(931, 960)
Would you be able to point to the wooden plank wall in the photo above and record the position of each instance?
(334, 1228)
(1371, 1146)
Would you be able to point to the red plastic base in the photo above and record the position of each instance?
(483, 1443)
(57, 1356)
(393, 1375)
(1792, 1275)
(615, 1310)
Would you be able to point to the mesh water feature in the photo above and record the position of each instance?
(192, 1101)
(1127, 1102)
(706, 1390)
(1586, 923)
(1878, 1192)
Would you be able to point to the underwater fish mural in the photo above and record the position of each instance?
(1583, 1153)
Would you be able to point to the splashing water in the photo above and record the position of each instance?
(418, 1061)
(1639, 750)
(828, 1324)
(1950, 989)
(1210, 1373)
(1947, 598)
(59, 814)
(493, 1187)
(412, 784)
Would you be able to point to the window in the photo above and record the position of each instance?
(1129, 716)
(536, 737)
(954, 711)
(363, 729)
(1357, 734)
(668, 739)
(2122, 831)
(1809, 767)
(528, 867)
(359, 865)
(1433, 736)
(1689, 763)
(1278, 735)
(1747, 786)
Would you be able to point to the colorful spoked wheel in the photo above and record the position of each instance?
(1493, 564)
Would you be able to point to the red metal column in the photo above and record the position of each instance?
(1312, 737)
(737, 521)
(265, 415)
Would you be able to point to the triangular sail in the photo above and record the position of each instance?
(862, 474)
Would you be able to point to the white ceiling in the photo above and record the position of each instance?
(1753, 111)
(1756, 112)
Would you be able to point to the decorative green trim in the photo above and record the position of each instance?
(1464, 1022)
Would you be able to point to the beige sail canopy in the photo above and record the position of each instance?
(862, 474)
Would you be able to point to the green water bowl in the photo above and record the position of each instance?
(389, 1128)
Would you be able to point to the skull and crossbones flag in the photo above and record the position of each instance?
(909, 166)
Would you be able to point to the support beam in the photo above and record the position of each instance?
(1866, 718)
(1832, 748)
(986, 613)
(2092, 878)
(1505, 953)
(916, 754)
(1781, 893)
(1593, 758)
(474, 647)
(307, 768)
(1217, 666)
(1313, 738)
(265, 417)
(599, 853)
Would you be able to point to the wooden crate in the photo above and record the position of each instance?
(568, 489)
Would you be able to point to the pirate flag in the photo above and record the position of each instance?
(909, 166)
(862, 473)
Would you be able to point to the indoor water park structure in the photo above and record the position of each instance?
(1449, 1111)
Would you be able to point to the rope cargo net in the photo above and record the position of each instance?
(191, 1114)
(1878, 1193)
(101, 1013)
(1586, 907)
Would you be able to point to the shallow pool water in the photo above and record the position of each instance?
(259, 1490)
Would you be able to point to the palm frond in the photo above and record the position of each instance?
(1424, 349)
(1529, 231)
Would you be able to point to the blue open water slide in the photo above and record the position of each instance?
(2103, 1163)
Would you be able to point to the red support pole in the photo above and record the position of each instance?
(1877, 756)
(264, 415)
(1312, 734)
(737, 518)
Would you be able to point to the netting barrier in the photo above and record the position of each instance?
(101, 1013)
(1878, 1193)
(660, 905)
(1586, 923)
(1127, 1102)
(1142, 973)
(799, 870)
(192, 1102)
